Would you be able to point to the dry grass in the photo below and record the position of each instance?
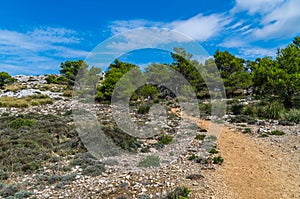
(14, 87)
(25, 102)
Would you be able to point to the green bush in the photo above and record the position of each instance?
(22, 194)
(179, 193)
(213, 151)
(277, 132)
(3, 175)
(200, 137)
(205, 109)
(9, 190)
(143, 109)
(192, 157)
(292, 115)
(218, 160)
(237, 108)
(19, 122)
(165, 139)
(270, 110)
(150, 161)
(247, 130)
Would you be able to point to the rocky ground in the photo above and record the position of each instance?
(256, 164)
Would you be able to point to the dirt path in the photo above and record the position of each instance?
(252, 168)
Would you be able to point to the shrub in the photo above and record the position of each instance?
(9, 190)
(200, 137)
(237, 108)
(22, 194)
(192, 157)
(213, 151)
(195, 176)
(150, 161)
(292, 115)
(179, 193)
(205, 109)
(218, 160)
(143, 109)
(270, 110)
(165, 139)
(3, 175)
(277, 132)
(247, 130)
(264, 135)
(19, 122)
(67, 93)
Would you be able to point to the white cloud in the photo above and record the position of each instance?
(255, 6)
(233, 43)
(283, 22)
(199, 27)
(37, 50)
(252, 51)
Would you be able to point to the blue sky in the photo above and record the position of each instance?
(36, 36)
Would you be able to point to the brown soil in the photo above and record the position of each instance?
(252, 168)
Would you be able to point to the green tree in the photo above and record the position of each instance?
(5, 78)
(73, 69)
(235, 74)
(189, 68)
(279, 79)
(115, 72)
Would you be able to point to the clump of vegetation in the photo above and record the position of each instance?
(24, 102)
(218, 160)
(165, 139)
(277, 132)
(88, 163)
(150, 161)
(144, 109)
(5, 78)
(213, 151)
(200, 137)
(264, 135)
(67, 93)
(28, 140)
(292, 115)
(19, 122)
(247, 130)
(270, 110)
(237, 108)
(179, 193)
(242, 119)
(3, 175)
(9, 190)
(192, 157)
(195, 176)
(120, 138)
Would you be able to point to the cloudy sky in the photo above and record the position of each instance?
(36, 36)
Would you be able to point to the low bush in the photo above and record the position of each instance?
(165, 139)
(218, 160)
(213, 151)
(270, 110)
(247, 130)
(144, 109)
(19, 122)
(200, 137)
(236, 108)
(9, 190)
(192, 157)
(292, 115)
(150, 161)
(179, 193)
(277, 132)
